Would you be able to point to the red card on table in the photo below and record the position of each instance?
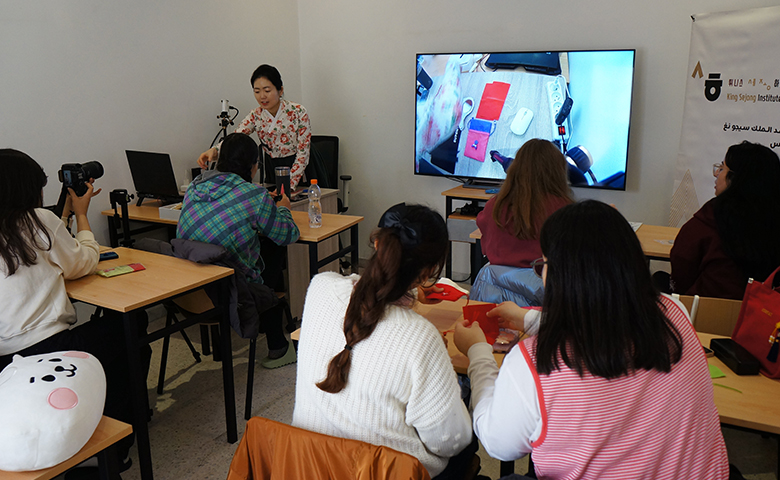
(451, 291)
(492, 102)
(478, 313)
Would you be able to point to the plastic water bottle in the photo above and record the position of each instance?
(315, 207)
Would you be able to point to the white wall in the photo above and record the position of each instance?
(358, 75)
(84, 80)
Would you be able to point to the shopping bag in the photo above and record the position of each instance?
(758, 323)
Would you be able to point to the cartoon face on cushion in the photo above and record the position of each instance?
(51, 405)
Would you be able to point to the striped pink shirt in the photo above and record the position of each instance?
(647, 425)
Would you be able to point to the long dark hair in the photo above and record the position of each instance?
(238, 154)
(601, 312)
(747, 213)
(411, 242)
(21, 187)
(537, 173)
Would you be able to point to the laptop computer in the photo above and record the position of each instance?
(153, 176)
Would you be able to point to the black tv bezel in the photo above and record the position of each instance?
(483, 182)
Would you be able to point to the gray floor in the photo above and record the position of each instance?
(188, 436)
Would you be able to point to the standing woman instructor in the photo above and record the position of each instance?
(282, 126)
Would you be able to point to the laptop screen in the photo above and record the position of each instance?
(153, 174)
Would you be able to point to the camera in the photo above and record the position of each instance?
(76, 175)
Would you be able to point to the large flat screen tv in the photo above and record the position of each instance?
(475, 110)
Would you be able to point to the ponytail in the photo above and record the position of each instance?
(410, 241)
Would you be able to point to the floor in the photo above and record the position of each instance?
(188, 432)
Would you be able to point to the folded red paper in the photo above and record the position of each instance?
(451, 291)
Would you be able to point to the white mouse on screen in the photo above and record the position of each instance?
(522, 121)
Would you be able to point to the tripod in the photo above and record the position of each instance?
(121, 197)
(224, 121)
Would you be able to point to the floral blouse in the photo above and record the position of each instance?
(289, 133)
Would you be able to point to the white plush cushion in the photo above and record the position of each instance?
(49, 407)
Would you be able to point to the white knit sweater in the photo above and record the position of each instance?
(401, 391)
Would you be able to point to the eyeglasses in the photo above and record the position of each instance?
(716, 169)
(538, 266)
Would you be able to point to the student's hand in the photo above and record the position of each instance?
(509, 315)
(206, 157)
(423, 292)
(466, 336)
(285, 200)
(80, 205)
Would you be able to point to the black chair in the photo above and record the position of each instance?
(324, 166)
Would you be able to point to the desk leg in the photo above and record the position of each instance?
(227, 361)
(108, 463)
(140, 401)
(476, 259)
(113, 238)
(448, 264)
(354, 243)
(314, 267)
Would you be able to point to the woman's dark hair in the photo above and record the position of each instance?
(21, 231)
(601, 313)
(269, 72)
(537, 173)
(411, 247)
(238, 154)
(747, 213)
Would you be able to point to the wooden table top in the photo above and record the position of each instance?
(656, 240)
(331, 224)
(469, 193)
(444, 315)
(754, 405)
(108, 432)
(163, 278)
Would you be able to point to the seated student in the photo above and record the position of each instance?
(370, 368)
(534, 188)
(734, 236)
(224, 207)
(615, 385)
(37, 255)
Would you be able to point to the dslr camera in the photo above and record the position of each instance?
(76, 175)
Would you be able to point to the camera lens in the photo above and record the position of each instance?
(92, 170)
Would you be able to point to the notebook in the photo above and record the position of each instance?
(153, 176)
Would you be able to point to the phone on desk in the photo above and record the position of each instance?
(708, 352)
(108, 256)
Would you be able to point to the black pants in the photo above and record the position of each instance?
(272, 321)
(104, 338)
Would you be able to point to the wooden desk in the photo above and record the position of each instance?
(656, 240)
(299, 266)
(332, 225)
(107, 433)
(165, 277)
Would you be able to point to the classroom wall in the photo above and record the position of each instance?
(358, 76)
(84, 80)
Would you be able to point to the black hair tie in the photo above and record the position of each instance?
(347, 347)
(395, 218)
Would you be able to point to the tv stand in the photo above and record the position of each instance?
(467, 225)
(471, 183)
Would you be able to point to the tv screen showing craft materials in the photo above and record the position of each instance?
(475, 110)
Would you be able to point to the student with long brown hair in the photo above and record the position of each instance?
(535, 187)
(369, 367)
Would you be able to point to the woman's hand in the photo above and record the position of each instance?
(423, 292)
(466, 336)
(80, 205)
(509, 315)
(207, 157)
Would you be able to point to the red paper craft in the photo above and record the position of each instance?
(451, 291)
(492, 102)
(478, 313)
(476, 145)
